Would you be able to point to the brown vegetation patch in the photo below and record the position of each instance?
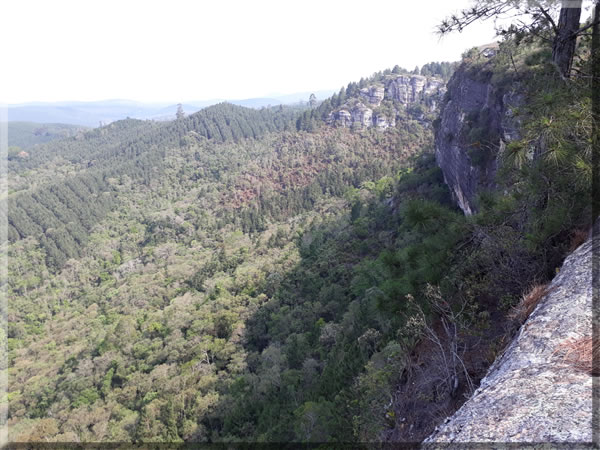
(578, 237)
(528, 302)
(582, 354)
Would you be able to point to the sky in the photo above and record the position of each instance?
(186, 50)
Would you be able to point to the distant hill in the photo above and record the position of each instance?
(28, 134)
(93, 114)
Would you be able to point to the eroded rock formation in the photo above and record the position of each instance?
(407, 89)
(399, 90)
(373, 94)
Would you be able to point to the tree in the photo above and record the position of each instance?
(342, 96)
(563, 47)
(312, 101)
(528, 16)
(179, 114)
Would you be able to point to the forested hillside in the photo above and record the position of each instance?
(145, 257)
(22, 135)
(89, 166)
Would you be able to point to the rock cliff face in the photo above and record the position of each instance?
(532, 393)
(407, 88)
(362, 116)
(397, 90)
(477, 120)
(373, 94)
(382, 121)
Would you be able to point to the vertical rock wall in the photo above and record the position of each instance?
(476, 122)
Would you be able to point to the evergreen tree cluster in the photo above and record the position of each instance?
(62, 213)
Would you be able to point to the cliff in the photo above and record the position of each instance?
(476, 122)
(379, 104)
(538, 391)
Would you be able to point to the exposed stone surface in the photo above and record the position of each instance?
(373, 94)
(362, 116)
(357, 116)
(382, 122)
(476, 122)
(530, 394)
(400, 89)
(407, 88)
(342, 118)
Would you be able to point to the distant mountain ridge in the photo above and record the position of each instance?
(95, 113)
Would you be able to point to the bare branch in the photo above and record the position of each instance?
(581, 30)
(548, 18)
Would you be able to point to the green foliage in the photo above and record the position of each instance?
(87, 397)
(154, 260)
(61, 214)
(443, 70)
(28, 134)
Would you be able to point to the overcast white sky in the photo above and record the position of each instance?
(185, 50)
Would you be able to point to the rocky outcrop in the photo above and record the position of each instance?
(362, 116)
(401, 90)
(382, 122)
(357, 116)
(373, 94)
(342, 117)
(407, 89)
(476, 122)
(532, 393)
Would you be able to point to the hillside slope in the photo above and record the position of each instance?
(166, 279)
(28, 134)
(513, 142)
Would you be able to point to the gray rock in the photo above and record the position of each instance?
(531, 394)
(406, 89)
(373, 94)
(362, 116)
(476, 123)
(402, 89)
(382, 122)
(341, 118)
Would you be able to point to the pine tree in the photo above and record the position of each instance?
(180, 114)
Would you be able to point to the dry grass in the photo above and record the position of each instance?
(578, 237)
(528, 302)
(582, 354)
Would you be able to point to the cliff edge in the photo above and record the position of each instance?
(534, 392)
(476, 123)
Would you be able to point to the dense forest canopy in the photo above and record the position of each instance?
(200, 219)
